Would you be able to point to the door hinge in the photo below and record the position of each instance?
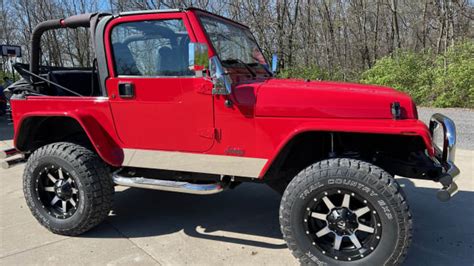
(209, 133)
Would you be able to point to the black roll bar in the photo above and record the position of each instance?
(82, 20)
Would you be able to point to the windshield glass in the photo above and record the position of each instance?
(233, 44)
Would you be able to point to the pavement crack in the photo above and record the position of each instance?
(133, 243)
(33, 248)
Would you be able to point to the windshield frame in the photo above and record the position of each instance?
(257, 66)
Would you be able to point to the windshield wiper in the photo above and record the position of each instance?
(236, 60)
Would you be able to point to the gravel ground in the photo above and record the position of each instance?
(463, 118)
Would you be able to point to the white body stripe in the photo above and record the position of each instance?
(194, 162)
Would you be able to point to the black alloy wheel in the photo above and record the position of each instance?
(57, 191)
(342, 225)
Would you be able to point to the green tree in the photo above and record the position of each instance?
(445, 80)
(454, 77)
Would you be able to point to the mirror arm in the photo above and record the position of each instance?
(220, 78)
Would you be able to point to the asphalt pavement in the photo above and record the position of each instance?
(235, 227)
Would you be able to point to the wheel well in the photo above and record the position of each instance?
(394, 153)
(39, 131)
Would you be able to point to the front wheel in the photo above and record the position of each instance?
(345, 211)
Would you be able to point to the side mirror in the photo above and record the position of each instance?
(198, 57)
(274, 63)
(221, 80)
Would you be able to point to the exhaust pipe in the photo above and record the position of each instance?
(8, 153)
(12, 162)
(168, 185)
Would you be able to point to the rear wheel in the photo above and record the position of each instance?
(67, 188)
(344, 211)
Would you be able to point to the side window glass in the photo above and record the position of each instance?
(151, 48)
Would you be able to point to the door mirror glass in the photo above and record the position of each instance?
(221, 80)
(198, 56)
(274, 63)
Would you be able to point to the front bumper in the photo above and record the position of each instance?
(444, 155)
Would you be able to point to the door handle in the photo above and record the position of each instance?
(126, 90)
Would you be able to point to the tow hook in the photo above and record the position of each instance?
(450, 188)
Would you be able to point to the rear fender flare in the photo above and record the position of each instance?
(104, 144)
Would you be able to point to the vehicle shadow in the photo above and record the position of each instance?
(248, 215)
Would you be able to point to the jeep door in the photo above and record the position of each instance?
(157, 101)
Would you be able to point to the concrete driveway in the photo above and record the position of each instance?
(236, 227)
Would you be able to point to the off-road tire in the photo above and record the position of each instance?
(92, 178)
(370, 182)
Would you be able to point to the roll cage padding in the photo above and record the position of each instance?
(36, 41)
(82, 20)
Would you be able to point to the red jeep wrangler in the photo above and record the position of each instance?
(184, 101)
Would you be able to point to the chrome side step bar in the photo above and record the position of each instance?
(8, 161)
(11, 162)
(168, 185)
(8, 153)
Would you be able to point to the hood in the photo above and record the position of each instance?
(299, 98)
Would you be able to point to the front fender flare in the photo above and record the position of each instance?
(409, 127)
